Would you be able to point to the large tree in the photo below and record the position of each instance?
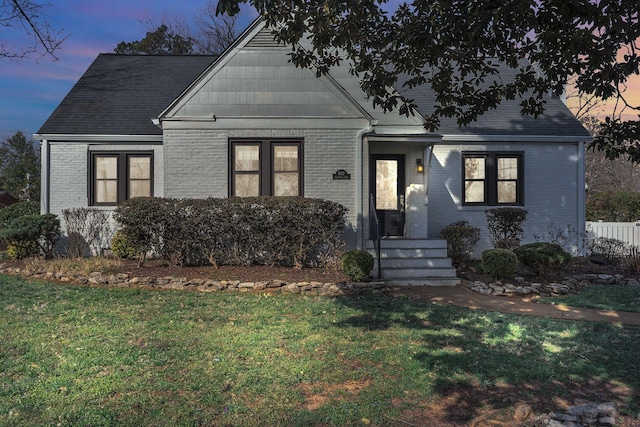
(208, 34)
(162, 41)
(29, 33)
(452, 45)
(20, 167)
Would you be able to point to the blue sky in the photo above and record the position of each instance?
(30, 90)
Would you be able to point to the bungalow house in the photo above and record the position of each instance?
(250, 123)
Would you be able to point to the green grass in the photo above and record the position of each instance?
(602, 297)
(74, 355)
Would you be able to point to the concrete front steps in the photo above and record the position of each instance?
(413, 262)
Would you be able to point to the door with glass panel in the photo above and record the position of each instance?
(387, 178)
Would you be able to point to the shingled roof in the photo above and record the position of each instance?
(121, 94)
(506, 119)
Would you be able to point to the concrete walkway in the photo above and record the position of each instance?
(463, 297)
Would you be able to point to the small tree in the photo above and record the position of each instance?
(505, 226)
(20, 167)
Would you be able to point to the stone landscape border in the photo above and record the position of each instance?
(569, 285)
(124, 280)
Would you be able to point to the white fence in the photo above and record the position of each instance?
(628, 232)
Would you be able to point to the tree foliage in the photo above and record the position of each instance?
(208, 34)
(30, 33)
(454, 45)
(20, 167)
(162, 41)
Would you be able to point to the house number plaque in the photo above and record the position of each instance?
(341, 174)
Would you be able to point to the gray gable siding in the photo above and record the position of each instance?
(263, 83)
(121, 94)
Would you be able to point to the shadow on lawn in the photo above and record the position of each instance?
(478, 360)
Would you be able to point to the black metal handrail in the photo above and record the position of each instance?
(374, 229)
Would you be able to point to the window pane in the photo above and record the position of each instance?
(387, 185)
(247, 185)
(285, 158)
(507, 168)
(106, 191)
(474, 192)
(247, 158)
(474, 168)
(285, 184)
(106, 167)
(507, 192)
(139, 167)
(139, 188)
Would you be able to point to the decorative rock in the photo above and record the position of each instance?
(608, 409)
(291, 288)
(245, 285)
(522, 412)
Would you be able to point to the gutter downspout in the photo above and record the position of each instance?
(44, 177)
(581, 219)
(360, 140)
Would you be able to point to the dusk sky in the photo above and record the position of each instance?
(30, 90)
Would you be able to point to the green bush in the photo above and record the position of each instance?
(357, 264)
(505, 226)
(499, 263)
(541, 256)
(17, 210)
(280, 231)
(461, 238)
(613, 206)
(17, 250)
(25, 231)
(120, 246)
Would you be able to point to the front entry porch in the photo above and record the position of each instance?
(398, 215)
(413, 262)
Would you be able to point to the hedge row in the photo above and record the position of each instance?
(278, 231)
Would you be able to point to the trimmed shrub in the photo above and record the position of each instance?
(120, 246)
(541, 256)
(357, 264)
(606, 249)
(84, 227)
(41, 230)
(461, 238)
(499, 263)
(505, 226)
(280, 231)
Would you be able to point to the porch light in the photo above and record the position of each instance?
(419, 166)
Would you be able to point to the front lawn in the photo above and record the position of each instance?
(602, 297)
(77, 355)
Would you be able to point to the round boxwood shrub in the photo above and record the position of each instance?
(120, 246)
(499, 263)
(542, 256)
(357, 264)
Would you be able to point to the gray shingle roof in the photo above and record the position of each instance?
(120, 94)
(557, 119)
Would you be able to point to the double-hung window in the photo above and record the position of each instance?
(266, 168)
(118, 176)
(492, 178)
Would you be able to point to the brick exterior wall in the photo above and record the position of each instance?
(550, 189)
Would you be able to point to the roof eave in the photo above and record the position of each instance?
(96, 138)
(514, 138)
